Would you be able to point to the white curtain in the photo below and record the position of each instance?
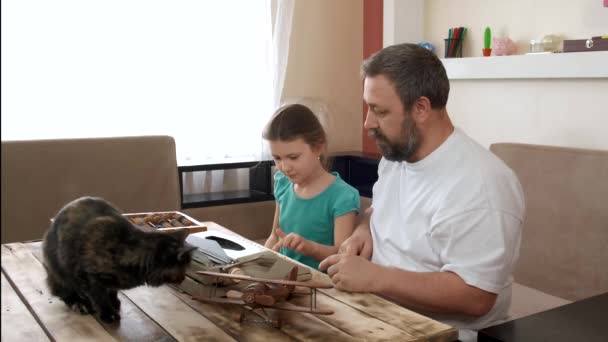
(228, 180)
(280, 45)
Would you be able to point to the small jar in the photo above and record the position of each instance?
(536, 46)
(551, 43)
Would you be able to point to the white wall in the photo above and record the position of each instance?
(562, 112)
(325, 54)
(547, 112)
(403, 21)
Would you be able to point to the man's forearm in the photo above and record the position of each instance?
(438, 292)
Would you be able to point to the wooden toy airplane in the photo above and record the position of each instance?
(267, 293)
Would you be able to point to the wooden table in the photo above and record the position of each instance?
(31, 313)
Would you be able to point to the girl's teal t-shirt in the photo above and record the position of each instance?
(313, 218)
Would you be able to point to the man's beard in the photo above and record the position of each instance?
(401, 150)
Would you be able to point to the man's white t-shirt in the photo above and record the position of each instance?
(460, 209)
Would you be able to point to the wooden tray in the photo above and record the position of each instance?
(165, 221)
(583, 45)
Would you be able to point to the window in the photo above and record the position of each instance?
(204, 72)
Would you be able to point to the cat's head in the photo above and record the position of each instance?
(170, 258)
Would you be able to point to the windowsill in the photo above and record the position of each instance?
(356, 168)
(224, 198)
(260, 180)
(554, 65)
(206, 164)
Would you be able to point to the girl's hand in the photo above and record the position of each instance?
(292, 241)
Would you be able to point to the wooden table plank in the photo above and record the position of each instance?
(134, 325)
(298, 327)
(174, 316)
(28, 275)
(355, 322)
(414, 323)
(397, 316)
(221, 315)
(14, 311)
(308, 327)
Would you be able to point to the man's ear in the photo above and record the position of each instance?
(421, 109)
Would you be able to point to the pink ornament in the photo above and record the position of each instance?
(503, 46)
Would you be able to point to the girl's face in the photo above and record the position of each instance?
(296, 159)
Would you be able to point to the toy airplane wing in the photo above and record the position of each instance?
(310, 284)
(286, 306)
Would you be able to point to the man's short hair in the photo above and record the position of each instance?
(413, 70)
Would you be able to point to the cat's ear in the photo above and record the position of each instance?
(180, 234)
(182, 252)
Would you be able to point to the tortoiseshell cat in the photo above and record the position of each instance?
(91, 251)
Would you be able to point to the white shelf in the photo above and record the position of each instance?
(555, 65)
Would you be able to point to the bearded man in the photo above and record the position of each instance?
(443, 233)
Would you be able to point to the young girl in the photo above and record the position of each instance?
(315, 210)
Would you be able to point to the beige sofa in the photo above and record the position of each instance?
(563, 254)
(137, 174)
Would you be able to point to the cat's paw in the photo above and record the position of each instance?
(82, 308)
(115, 303)
(110, 317)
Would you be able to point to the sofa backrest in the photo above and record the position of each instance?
(136, 174)
(564, 249)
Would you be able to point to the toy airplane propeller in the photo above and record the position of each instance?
(268, 293)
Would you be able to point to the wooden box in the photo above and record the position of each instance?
(582, 45)
(165, 221)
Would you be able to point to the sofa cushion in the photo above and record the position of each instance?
(136, 174)
(565, 231)
(526, 301)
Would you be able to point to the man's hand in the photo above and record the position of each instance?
(360, 243)
(352, 273)
(292, 241)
